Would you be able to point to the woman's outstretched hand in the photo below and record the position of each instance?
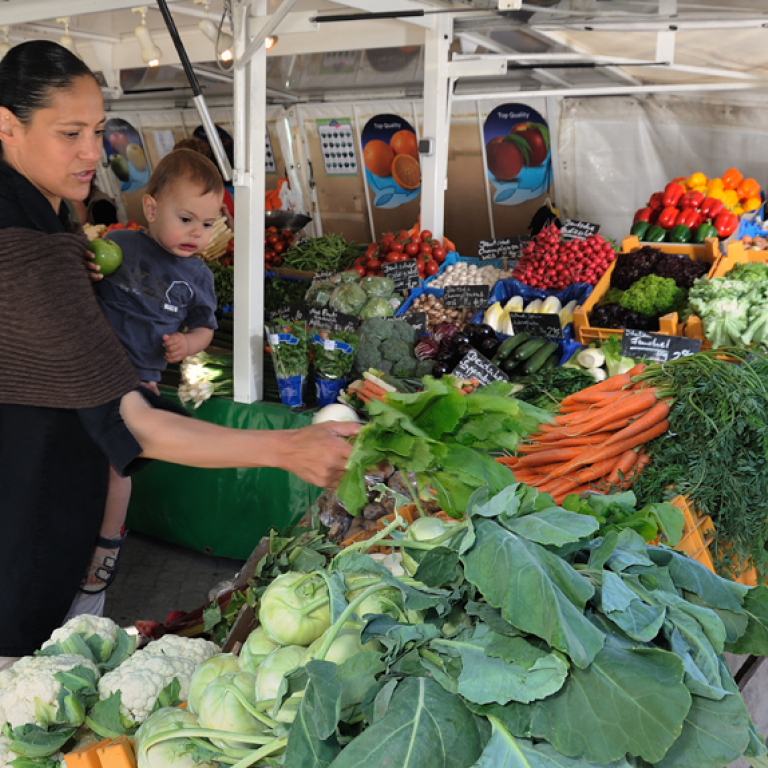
(318, 454)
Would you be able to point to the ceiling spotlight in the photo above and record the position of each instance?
(271, 41)
(5, 46)
(223, 41)
(66, 40)
(150, 53)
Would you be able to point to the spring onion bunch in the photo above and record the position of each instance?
(204, 375)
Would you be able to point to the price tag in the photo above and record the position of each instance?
(404, 274)
(578, 230)
(329, 320)
(466, 296)
(475, 366)
(510, 248)
(291, 313)
(323, 276)
(540, 326)
(657, 346)
(416, 319)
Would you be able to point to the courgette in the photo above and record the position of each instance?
(550, 362)
(536, 361)
(509, 365)
(508, 346)
(528, 349)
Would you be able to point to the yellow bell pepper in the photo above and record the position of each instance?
(696, 180)
(718, 194)
(738, 210)
(703, 189)
(714, 185)
(730, 198)
(751, 204)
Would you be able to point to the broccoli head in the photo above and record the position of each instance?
(375, 330)
(653, 295)
(403, 331)
(394, 350)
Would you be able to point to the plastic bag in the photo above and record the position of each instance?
(319, 294)
(348, 298)
(327, 391)
(377, 307)
(377, 286)
(289, 200)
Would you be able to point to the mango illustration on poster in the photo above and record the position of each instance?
(517, 153)
(391, 160)
(126, 155)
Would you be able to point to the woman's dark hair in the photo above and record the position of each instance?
(31, 70)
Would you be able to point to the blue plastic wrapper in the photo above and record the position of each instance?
(291, 391)
(328, 391)
(504, 290)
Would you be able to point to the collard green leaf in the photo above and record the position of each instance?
(715, 733)
(626, 701)
(395, 636)
(702, 671)
(515, 717)
(104, 717)
(602, 549)
(630, 550)
(492, 617)
(540, 593)
(735, 623)
(357, 675)
(670, 520)
(424, 727)
(505, 503)
(553, 527)
(499, 669)
(438, 567)
(622, 606)
(754, 639)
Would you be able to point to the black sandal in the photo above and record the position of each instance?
(106, 570)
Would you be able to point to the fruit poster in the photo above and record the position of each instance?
(391, 160)
(517, 153)
(126, 155)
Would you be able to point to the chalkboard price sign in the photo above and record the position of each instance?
(476, 366)
(539, 326)
(657, 346)
(323, 275)
(510, 248)
(291, 312)
(404, 274)
(578, 230)
(329, 320)
(465, 296)
(416, 319)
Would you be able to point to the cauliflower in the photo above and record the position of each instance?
(87, 625)
(143, 676)
(98, 639)
(33, 677)
(5, 752)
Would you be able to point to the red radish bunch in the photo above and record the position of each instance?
(421, 247)
(551, 263)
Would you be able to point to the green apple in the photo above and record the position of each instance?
(106, 254)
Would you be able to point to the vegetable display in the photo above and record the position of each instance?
(388, 346)
(279, 293)
(346, 292)
(523, 355)
(276, 243)
(319, 254)
(551, 263)
(289, 343)
(498, 315)
(333, 353)
(420, 247)
(547, 388)
(463, 273)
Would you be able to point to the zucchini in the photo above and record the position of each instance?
(535, 361)
(509, 365)
(550, 362)
(528, 349)
(508, 346)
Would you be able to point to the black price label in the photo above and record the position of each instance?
(291, 313)
(329, 320)
(323, 276)
(539, 326)
(418, 320)
(404, 274)
(510, 248)
(466, 296)
(657, 346)
(578, 230)
(475, 366)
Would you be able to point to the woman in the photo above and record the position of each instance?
(69, 400)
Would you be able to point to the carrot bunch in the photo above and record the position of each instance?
(596, 441)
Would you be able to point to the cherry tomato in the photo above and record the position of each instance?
(360, 269)
(277, 261)
(431, 268)
(426, 235)
(415, 238)
(286, 234)
(404, 235)
(396, 247)
(438, 254)
(420, 263)
(373, 265)
(359, 260)
(271, 230)
(425, 248)
(388, 238)
(272, 239)
(392, 257)
(278, 247)
(412, 249)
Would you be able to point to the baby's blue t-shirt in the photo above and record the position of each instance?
(154, 293)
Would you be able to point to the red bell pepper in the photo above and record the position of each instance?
(657, 201)
(689, 218)
(711, 207)
(672, 193)
(725, 223)
(668, 217)
(692, 199)
(643, 214)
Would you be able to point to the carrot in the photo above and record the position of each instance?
(558, 485)
(596, 471)
(648, 419)
(643, 461)
(635, 403)
(636, 371)
(611, 384)
(616, 449)
(586, 397)
(565, 442)
(373, 389)
(550, 457)
(621, 471)
(569, 433)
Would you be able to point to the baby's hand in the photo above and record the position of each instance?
(176, 347)
(93, 269)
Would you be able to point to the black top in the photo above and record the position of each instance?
(53, 475)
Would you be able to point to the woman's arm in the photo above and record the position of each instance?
(316, 454)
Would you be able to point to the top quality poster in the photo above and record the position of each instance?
(517, 152)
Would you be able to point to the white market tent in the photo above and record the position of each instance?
(687, 82)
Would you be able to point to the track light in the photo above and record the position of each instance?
(5, 46)
(223, 41)
(150, 53)
(66, 40)
(271, 41)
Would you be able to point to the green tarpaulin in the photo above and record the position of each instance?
(223, 512)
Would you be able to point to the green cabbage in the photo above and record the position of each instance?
(377, 307)
(319, 294)
(377, 286)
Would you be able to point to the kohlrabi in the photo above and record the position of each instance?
(345, 645)
(388, 601)
(255, 649)
(172, 752)
(270, 675)
(429, 530)
(294, 609)
(207, 671)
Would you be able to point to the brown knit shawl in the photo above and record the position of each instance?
(57, 349)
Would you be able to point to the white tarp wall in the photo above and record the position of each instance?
(615, 152)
